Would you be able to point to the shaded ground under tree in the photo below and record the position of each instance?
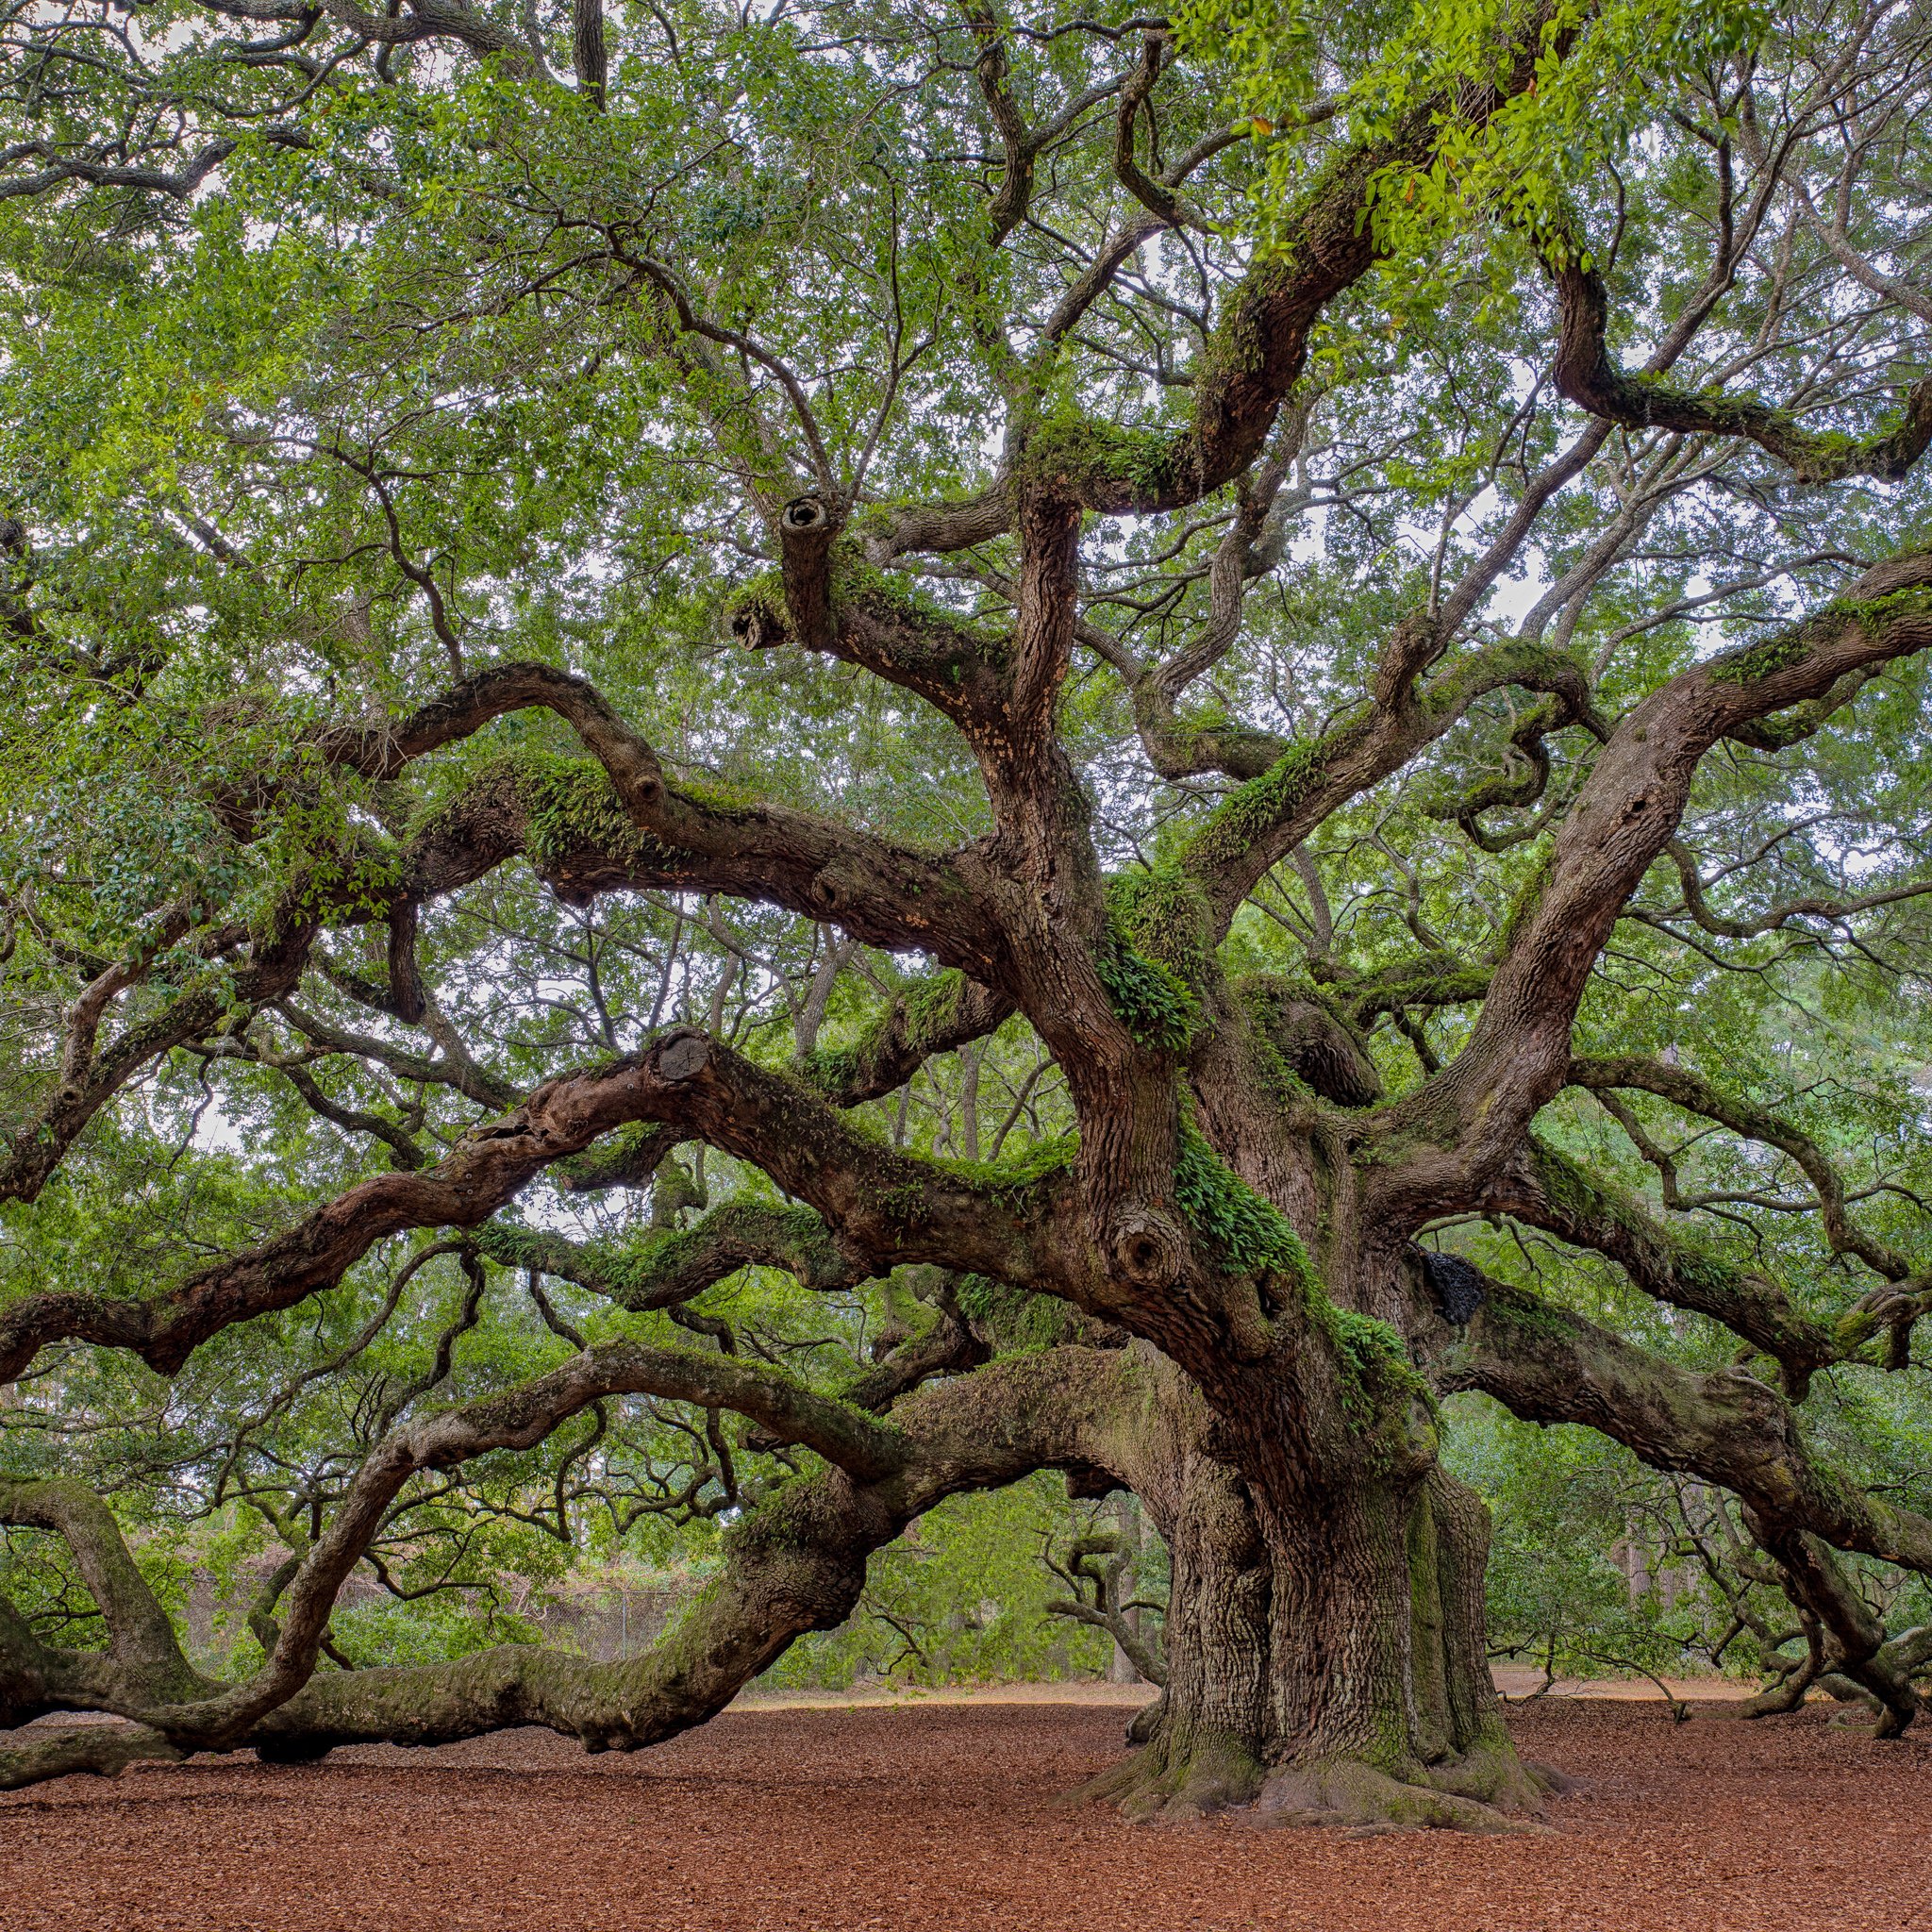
(947, 1819)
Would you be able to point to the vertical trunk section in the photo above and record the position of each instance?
(1203, 1740)
(1327, 1662)
(1382, 1709)
(1205, 1748)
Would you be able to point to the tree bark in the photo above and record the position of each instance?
(1326, 1655)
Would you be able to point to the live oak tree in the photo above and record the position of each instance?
(1213, 722)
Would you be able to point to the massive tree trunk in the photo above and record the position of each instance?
(1380, 1702)
(1326, 1660)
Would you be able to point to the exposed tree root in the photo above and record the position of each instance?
(1487, 1790)
(1481, 1792)
(1170, 1784)
(1147, 1722)
(102, 1749)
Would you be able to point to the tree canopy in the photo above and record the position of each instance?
(761, 766)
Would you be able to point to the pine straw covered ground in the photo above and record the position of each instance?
(941, 1817)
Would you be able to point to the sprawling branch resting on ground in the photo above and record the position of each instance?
(797, 1563)
(1549, 1365)
(1238, 1188)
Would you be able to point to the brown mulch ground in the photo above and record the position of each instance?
(942, 1817)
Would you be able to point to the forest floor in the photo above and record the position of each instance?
(946, 1816)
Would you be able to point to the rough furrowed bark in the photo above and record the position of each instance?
(1383, 1714)
(1202, 1743)
(1327, 1656)
(1327, 1662)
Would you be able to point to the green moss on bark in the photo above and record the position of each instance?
(569, 806)
(1155, 1005)
(1237, 824)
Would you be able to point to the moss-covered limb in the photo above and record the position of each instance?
(142, 1636)
(1200, 742)
(934, 1015)
(796, 1562)
(1589, 375)
(1464, 1125)
(1794, 724)
(386, 751)
(948, 1346)
(613, 821)
(1548, 1364)
(866, 1449)
(830, 596)
(1309, 779)
(1694, 1094)
(1869, 612)
(584, 840)
(1814, 1576)
(1518, 788)
(1241, 822)
(1254, 827)
(1308, 1042)
(1007, 1319)
(1550, 1191)
(1259, 348)
(83, 1750)
(1433, 980)
(668, 1266)
(889, 1208)
(936, 529)
(628, 1159)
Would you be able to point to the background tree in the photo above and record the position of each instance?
(592, 600)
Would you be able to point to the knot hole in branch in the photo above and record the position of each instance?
(1148, 1248)
(806, 513)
